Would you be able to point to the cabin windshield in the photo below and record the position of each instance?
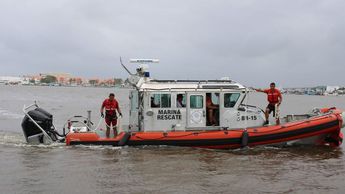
(230, 99)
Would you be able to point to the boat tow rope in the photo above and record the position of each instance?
(100, 120)
(123, 141)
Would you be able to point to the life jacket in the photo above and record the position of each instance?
(110, 108)
(273, 96)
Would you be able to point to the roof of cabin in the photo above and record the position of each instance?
(190, 84)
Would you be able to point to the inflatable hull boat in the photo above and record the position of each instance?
(321, 130)
(193, 113)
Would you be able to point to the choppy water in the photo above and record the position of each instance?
(98, 169)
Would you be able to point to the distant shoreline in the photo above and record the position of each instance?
(56, 86)
(126, 87)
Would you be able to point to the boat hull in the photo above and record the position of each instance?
(322, 130)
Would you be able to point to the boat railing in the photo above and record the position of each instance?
(193, 81)
(242, 107)
(84, 122)
(25, 110)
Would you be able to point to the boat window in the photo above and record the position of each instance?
(215, 98)
(160, 101)
(166, 102)
(196, 101)
(230, 99)
(180, 100)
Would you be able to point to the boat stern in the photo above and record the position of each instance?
(336, 139)
(343, 119)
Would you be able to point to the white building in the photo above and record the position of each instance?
(331, 89)
(12, 80)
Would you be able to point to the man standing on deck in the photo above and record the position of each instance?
(274, 98)
(110, 105)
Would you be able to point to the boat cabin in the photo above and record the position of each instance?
(169, 105)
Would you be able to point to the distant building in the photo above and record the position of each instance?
(341, 91)
(331, 89)
(12, 80)
(62, 78)
(318, 90)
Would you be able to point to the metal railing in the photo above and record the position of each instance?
(25, 108)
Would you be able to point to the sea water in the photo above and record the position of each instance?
(155, 169)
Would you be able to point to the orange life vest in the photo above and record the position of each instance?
(273, 96)
(110, 107)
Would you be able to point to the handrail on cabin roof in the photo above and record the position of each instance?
(197, 81)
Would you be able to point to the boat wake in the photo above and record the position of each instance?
(11, 138)
(99, 147)
(17, 140)
(6, 114)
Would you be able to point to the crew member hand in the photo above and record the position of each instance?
(102, 115)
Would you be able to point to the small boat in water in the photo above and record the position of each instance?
(175, 113)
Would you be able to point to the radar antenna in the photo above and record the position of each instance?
(125, 67)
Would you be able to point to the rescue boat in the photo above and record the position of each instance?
(175, 113)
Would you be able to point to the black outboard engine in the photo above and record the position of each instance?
(38, 127)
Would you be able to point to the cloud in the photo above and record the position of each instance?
(294, 43)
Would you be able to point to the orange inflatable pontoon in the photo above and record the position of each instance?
(321, 130)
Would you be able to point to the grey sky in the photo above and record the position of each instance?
(291, 42)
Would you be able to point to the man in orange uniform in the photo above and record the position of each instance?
(274, 98)
(110, 105)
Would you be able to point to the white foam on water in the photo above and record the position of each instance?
(98, 147)
(11, 139)
(18, 140)
(6, 114)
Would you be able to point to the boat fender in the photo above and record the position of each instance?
(244, 139)
(124, 139)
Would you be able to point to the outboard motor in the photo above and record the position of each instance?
(38, 127)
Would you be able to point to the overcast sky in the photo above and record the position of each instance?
(291, 42)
